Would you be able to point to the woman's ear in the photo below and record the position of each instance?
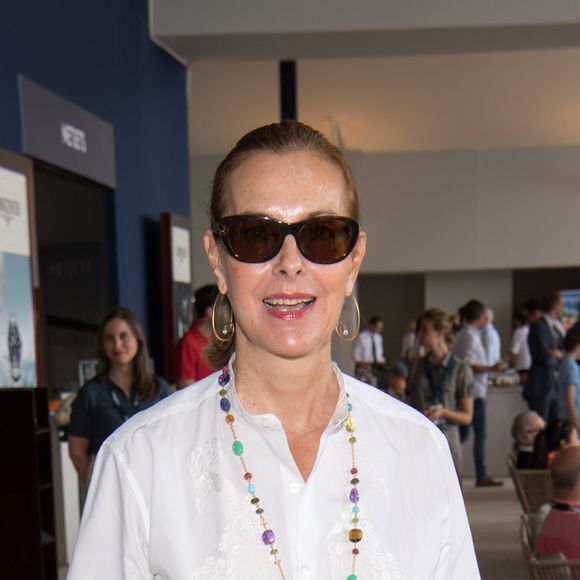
(356, 258)
(213, 251)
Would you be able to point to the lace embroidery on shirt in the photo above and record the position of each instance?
(240, 553)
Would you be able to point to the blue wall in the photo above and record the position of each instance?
(97, 53)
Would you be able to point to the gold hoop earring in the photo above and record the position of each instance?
(342, 328)
(224, 328)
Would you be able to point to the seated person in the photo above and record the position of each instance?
(560, 532)
(559, 434)
(397, 380)
(525, 428)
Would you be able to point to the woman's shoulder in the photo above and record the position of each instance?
(169, 410)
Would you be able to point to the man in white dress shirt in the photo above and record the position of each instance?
(469, 348)
(369, 355)
(490, 338)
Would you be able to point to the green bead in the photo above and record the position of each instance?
(255, 500)
(352, 439)
(223, 392)
(238, 447)
(354, 481)
(355, 520)
(274, 551)
(352, 577)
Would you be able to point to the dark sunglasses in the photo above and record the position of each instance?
(255, 239)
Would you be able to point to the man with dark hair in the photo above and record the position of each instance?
(560, 532)
(469, 348)
(369, 354)
(190, 361)
(546, 342)
(532, 309)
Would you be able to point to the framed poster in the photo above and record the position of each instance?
(176, 284)
(19, 340)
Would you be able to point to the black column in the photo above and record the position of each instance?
(288, 89)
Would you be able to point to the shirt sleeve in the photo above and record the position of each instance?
(81, 418)
(517, 342)
(359, 348)
(465, 382)
(457, 559)
(114, 532)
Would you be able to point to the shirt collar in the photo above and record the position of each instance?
(267, 420)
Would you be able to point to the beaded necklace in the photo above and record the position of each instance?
(268, 537)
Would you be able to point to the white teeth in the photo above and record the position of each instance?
(287, 301)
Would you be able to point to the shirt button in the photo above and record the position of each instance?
(295, 488)
(305, 570)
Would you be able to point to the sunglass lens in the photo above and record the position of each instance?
(254, 240)
(327, 240)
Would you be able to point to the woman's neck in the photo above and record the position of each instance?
(301, 392)
(122, 376)
(438, 352)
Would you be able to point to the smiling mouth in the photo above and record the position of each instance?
(288, 304)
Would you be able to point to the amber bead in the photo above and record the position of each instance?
(229, 419)
(355, 535)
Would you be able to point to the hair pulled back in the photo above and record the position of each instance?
(279, 139)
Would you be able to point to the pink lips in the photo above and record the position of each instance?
(289, 306)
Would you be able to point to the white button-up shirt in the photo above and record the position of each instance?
(168, 500)
(469, 348)
(363, 349)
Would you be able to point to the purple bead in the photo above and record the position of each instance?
(225, 404)
(353, 495)
(268, 537)
(224, 379)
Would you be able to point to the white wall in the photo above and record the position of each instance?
(450, 290)
(465, 210)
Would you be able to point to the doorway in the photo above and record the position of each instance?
(76, 267)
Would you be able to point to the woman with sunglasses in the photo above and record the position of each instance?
(278, 466)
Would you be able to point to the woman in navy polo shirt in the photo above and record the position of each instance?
(125, 386)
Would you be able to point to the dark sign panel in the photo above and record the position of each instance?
(62, 134)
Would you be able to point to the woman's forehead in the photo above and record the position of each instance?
(291, 185)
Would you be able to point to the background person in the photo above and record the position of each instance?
(469, 348)
(125, 385)
(490, 338)
(546, 342)
(558, 434)
(568, 389)
(191, 363)
(267, 469)
(520, 358)
(369, 355)
(442, 385)
(397, 376)
(525, 428)
(560, 532)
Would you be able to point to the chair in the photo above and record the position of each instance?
(533, 486)
(550, 568)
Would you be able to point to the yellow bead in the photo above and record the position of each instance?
(349, 424)
(229, 419)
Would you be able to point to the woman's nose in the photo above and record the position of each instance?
(290, 261)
